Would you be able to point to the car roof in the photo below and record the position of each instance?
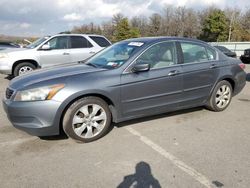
(72, 34)
(161, 38)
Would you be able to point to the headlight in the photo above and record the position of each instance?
(38, 94)
(3, 55)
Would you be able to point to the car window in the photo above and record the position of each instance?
(100, 41)
(79, 42)
(194, 52)
(58, 43)
(37, 42)
(116, 55)
(159, 55)
(211, 54)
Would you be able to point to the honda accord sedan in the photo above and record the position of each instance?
(130, 79)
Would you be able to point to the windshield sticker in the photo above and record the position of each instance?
(112, 64)
(136, 44)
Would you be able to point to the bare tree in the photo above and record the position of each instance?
(140, 23)
(155, 22)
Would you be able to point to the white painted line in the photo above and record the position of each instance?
(189, 170)
(15, 142)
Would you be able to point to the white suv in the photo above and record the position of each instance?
(51, 51)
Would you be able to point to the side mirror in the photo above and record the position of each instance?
(141, 67)
(45, 47)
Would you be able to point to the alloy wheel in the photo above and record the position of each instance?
(25, 69)
(89, 121)
(223, 96)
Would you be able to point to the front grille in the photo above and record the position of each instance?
(9, 92)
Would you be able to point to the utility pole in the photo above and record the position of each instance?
(230, 26)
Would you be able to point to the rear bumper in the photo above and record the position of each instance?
(240, 82)
(36, 118)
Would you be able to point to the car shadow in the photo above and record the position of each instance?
(9, 77)
(61, 136)
(149, 118)
(248, 77)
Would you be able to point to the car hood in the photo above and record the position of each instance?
(48, 74)
(11, 50)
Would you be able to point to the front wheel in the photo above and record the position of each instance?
(23, 68)
(221, 96)
(87, 119)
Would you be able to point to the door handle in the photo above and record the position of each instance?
(92, 52)
(213, 66)
(173, 73)
(66, 53)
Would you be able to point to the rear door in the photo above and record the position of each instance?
(156, 90)
(200, 72)
(58, 53)
(81, 48)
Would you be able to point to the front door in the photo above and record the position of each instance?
(156, 90)
(58, 53)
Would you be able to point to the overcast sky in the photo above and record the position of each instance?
(46, 17)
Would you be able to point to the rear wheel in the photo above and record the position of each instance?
(23, 68)
(87, 119)
(221, 96)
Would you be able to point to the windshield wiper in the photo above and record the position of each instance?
(91, 64)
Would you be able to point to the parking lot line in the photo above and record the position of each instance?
(180, 164)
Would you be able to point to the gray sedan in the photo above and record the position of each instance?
(130, 79)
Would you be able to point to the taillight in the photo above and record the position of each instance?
(242, 65)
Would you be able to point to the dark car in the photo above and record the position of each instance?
(130, 79)
(246, 57)
(5, 45)
(226, 51)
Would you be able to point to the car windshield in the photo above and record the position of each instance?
(37, 42)
(115, 55)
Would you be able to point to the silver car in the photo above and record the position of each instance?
(51, 51)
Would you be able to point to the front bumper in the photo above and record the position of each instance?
(4, 67)
(38, 118)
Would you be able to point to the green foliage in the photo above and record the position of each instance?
(215, 27)
(124, 31)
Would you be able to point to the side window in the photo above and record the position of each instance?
(211, 54)
(159, 55)
(193, 52)
(58, 43)
(100, 41)
(79, 42)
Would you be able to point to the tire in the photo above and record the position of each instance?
(221, 96)
(25, 67)
(87, 119)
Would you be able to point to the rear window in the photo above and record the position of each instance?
(100, 41)
(80, 42)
